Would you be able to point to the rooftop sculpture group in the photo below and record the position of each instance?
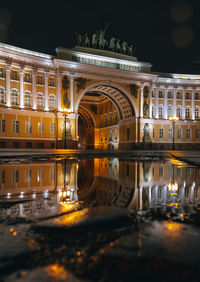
(98, 41)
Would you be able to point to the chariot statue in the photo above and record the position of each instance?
(118, 46)
(124, 47)
(94, 40)
(87, 40)
(112, 44)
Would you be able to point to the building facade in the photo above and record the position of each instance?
(94, 99)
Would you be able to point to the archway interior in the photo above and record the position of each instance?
(98, 123)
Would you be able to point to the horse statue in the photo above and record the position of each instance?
(87, 40)
(112, 44)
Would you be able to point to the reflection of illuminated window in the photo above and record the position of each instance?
(160, 193)
(15, 176)
(186, 192)
(170, 171)
(3, 176)
(28, 175)
(153, 171)
(178, 171)
(195, 192)
(160, 171)
(188, 171)
(40, 174)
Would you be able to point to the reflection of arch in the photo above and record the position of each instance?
(118, 95)
(85, 177)
(86, 116)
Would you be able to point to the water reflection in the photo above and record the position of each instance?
(127, 183)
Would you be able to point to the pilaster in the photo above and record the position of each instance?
(192, 105)
(46, 77)
(150, 102)
(183, 104)
(72, 93)
(141, 100)
(165, 104)
(34, 72)
(58, 90)
(156, 106)
(8, 85)
(21, 87)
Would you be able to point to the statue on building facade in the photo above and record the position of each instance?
(146, 131)
(94, 40)
(124, 47)
(112, 44)
(118, 46)
(87, 41)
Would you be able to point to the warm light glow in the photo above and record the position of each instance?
(68, 193)
(173, 118)
(60, 193)
(173, 187)
(64, 194)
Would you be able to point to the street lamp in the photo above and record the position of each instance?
(173, 121)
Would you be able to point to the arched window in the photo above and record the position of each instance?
(169, 111)
(178, 111)
(196, 112)
(160, 111)
(27, 99)
(14, 97)
(51, 102)
(187, 112)
(2, 96)
(40, 101)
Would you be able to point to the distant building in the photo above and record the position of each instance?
(89, 98)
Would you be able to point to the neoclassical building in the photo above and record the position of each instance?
(94, 99)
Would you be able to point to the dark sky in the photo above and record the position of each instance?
(167, 33)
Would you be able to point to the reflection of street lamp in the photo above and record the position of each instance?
(173, 121)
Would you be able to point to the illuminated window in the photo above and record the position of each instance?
(40, 101)
(196, 112)
(178, 111)
(160, 111)
(27, 99)
(196, 96)
(170, 133)
(52, 128)
(160, 94)
(2, 96)
(169, 95)
(14, 97)
(15, 126)
(39, 80)
(51, 102)
(160, 171)
(28, 175)
(41, 127)
(28, 127)
(161, 133)
(188, 133)
(178, 95)
(14, 75)
(27, 77)
(187, 112)
(1, 72)
(187, 96)
(169, 111)
(52, 81)
(179, 134)
(2, 126)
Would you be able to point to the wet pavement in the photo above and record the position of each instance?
(102, 219)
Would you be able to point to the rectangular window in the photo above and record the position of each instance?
(14, 75)
(15, 176)
(188, 171)
(179, 133)
(169, 95)
(196, 96)
(1, 72)
(170, 171)
(160, 94)
(39, 80)
(161, 133)
(152, 94)
(52, 81)
(188, 132)
(154, 133)
(187, 96)
(15, 126)
(52, 128)
(28, 126)
(28, 145)
(41, 127)
(52, 174)
(3, 176)
(179, 171)
(170, 132)
(40, 174)
(27, 77)
(160, 171)
(28, 175)
(2, 125)
(178, 95)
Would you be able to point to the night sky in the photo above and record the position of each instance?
(167, 33)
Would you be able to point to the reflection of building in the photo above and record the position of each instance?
(132, 184)
(112, 95)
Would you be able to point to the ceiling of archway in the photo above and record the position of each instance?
(85, 117)
(120, 99)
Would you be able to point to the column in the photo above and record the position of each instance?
(71, 93)
(21, 87)
(165, 104)
(174, 103)
(149, 196)
(150, 102)
(156, 106)
(183, 104)
(58, 90)
(46, 77)
(8, 86)
(192, 106)
(34, 89)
